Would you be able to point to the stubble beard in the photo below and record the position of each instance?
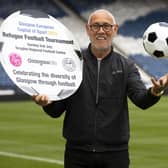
(102, 48)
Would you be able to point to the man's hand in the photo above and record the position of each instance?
(159, 85)
(41, 100)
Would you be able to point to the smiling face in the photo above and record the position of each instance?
(101, 28)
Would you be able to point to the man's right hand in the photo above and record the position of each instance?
(41, 100)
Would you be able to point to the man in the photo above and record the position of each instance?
(96, 124)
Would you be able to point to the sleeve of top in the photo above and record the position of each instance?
(55, 109)
(137, 91)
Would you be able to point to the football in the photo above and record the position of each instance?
(155, 39)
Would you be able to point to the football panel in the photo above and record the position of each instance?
(152, 37)
(167, 41)
(158, 53)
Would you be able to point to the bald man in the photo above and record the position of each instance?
(96, 124)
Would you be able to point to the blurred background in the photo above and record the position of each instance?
(30, 139)
(132, 16)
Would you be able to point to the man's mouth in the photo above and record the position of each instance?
(100, 38)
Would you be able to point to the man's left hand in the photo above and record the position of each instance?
(159, 85)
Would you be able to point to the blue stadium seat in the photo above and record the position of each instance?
(5, 80)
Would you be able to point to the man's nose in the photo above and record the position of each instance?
(101, 29)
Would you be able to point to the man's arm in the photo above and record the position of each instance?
(138, 93)
(52, 108)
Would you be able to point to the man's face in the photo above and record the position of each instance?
(101, 31)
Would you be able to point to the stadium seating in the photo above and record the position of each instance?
(136, 28)
(48, 6)
(82, 6)
(133, 18)
(153, 66)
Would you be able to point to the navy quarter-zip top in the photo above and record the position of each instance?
(96, 115)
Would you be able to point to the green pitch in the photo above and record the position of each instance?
(31, 139)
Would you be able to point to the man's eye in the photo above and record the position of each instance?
(96, 26)
(106, 26)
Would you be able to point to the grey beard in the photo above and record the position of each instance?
(102, 49)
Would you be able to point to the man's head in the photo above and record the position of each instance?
(101, 28)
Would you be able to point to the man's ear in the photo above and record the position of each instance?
(87, 28)
(115, 29)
